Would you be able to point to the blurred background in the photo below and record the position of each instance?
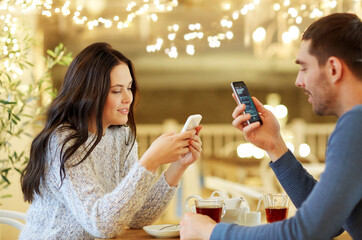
(186, 53)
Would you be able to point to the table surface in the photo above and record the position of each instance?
(140, 234)
(137, 234)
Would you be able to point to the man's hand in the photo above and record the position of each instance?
(196, 226)
(266, 136)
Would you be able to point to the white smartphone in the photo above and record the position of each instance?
(192, 122)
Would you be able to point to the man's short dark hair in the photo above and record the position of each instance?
(339, 35)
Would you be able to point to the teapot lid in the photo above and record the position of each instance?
(221, 194)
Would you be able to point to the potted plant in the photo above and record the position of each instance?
(21, 104)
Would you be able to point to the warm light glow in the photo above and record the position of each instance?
(154, 17)
(293, 12)
(244, 150)
(286, 37)
(281, 111)
(294, 32)
(247, 150)
(172, 53)
(171, 36)
(235, 15)
(286, 3)
(259, 34)
(333, 4)
(290, 12)
(276, 6)
(226, 6)
(298, 20)
(290, 146)
(229, 35)
(190, 49)
(316, 13)
(304, 150)
(175, 27)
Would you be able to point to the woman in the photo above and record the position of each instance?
(84, 178)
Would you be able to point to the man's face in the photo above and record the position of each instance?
(314, 81)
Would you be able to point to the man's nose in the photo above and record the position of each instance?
(299, 81)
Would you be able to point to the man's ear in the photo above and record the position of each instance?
(335, 68)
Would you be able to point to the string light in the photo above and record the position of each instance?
(293, 13)
(133, 10)
(10, 49)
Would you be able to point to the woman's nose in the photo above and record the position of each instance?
(127, 96)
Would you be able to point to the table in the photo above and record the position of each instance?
(137, 234)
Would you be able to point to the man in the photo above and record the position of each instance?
(330, 57)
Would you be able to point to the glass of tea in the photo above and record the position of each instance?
(212, 207)
(276, 206)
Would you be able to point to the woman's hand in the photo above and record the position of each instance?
(266, 136)
(194, 147)
(175, 171)
(196, 226)
(167, 148)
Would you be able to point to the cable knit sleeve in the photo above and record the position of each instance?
(100, 213)
(156, 198)
(156, 202)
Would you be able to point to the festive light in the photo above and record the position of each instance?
(293, 13)
(304, 150)
(247, 150)
(290, 146)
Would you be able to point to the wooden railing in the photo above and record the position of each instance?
(221, 169)
(221, 140)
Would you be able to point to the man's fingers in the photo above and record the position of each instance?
(259, 106)
(251, 127)
(238, 110)
(233, 94)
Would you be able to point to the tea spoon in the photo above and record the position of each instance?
(169, 225)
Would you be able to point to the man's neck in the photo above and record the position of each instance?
(350, 95)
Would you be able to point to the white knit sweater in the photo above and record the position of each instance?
(100, 196)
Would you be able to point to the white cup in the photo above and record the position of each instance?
(252, 218)
(243, 210)
(231, 215)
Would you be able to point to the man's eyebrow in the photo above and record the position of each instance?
(299, 62)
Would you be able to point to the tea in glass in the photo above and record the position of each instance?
(214, 208)
(276, 206)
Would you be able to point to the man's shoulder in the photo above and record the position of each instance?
(349, 125)
(354, 115)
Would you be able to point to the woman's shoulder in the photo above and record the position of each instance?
(122, 131)
(122, 136)
(61, 133)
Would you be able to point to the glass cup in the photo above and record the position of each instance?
(276, 206)
(212, 207)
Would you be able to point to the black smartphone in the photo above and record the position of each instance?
(242, 96)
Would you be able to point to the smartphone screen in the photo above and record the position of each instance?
(242, 95)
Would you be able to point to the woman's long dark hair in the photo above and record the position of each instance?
(83, 93)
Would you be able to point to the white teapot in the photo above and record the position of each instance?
(236, 208)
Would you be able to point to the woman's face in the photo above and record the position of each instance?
(119, 98)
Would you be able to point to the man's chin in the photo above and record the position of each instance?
(322, 112)
(318, 111)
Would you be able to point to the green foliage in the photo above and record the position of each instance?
(23, 98)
